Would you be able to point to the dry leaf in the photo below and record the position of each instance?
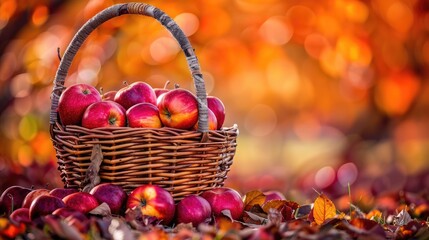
(253, 198)
(323, 209)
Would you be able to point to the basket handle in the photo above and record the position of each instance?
(141, 9)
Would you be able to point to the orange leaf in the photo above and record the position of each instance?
(253, 198)
(323, 209)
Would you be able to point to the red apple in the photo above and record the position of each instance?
(21, 215)
(104, 114)
(212, 121)
(137, 92)
(217, 107)
(44, 205)
(153, 201)
(193, 209)
(33, 195)
(143, 115)
(110, 95)
(81, 201)
(224, 199)
(12, 198)
(62, 192)
(64, 212)
(113, 195)
(73, 102)
(273, 195)
(159, 91)
(178, 108)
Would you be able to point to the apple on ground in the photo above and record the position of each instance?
(193, 209)
(62, 192)
(64, 212)
(224, 198)
(21, 215)
(218, 108)
(113, 195)
(33, 195)
(212, 121)
(137, 92)
(143, 115)
(153, 201)
(178, 108)
(44, 205)
(12, 198)
(104, 114)
(273, 195)
(73, 102)
(110, 95)
(159, 91)
(81, 201)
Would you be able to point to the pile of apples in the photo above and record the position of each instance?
(137, 105)
(25, 205)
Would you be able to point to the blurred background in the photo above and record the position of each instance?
(326, 94)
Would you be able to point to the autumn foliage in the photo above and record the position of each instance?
(275, 219)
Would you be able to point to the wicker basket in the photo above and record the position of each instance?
(182, 161)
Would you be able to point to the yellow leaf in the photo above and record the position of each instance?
(323, 209)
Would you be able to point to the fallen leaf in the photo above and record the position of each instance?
(403, 218)
(102, 210)
(323, 209)
(253, 198)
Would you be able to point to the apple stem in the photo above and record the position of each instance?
(176, 86)
(125, 83)
(11, 198)
(143, 202)
(166, 84)
(101, 90)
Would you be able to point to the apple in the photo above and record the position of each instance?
(224, 198)
(193, 209)
(12, 198)
(104, 114)
(153, 201)
(64, 212)
(81, 201)
(217, 107)
(33, 195)
(20, 215)
(178, 108)
(212, 121)
(62, 192)
(273, 195)
(137, 92)
(112, 195)
(159, 91)
(110, 95)
(73, 102)
(143, 115)
(44, 205)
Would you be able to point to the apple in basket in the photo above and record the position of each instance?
(137, 92)
(159, 91)
(178, 108)
(212, 121)
(104, 114)
(217, 107)
(143, 115)
(224, 198)
(153, 201)
(74, 101)
(110, 95)
(193, 209)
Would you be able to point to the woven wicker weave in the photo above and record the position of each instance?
(182, 161)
